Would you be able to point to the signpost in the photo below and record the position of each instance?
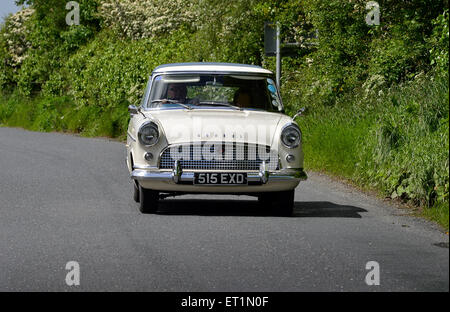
(272, 45)
(278, 58)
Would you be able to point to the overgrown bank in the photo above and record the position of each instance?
(377, 97)
(396, 143)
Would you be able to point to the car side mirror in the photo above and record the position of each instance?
(133, 110)
(300, 112)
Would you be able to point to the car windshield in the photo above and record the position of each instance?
(233, 91)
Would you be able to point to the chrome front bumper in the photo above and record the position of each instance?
(253, 178)
(179, 180)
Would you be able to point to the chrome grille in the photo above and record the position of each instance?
(219, 156)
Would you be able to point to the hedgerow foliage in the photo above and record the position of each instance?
(147, 18)
(15, 36)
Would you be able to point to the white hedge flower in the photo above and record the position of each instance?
(15, 34)
(147, 18)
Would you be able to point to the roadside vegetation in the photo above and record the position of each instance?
(377, 97)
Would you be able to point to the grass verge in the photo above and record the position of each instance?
(396, 143)
(49, 114)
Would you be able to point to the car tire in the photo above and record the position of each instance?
(280, 203)
(264, 201)
(284, 203)
(148, 200)
(135, 192)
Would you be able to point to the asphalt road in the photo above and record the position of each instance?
(65, 198)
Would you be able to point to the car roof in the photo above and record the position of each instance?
(211, 67)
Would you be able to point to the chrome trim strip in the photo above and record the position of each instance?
(193, 72)
(169, 176)
(201, 64)
(150, 175)
(263, 173)
(177, 171)
(145, 167)
(131, 137)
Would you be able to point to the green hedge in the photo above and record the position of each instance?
(396, 142)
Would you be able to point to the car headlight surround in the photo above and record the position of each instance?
(291, 135)
(148, 134)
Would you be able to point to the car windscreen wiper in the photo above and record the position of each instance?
(220, 104)
(172, 102)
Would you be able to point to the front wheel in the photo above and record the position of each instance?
(281, 203)
(148, 200)
(135, 192)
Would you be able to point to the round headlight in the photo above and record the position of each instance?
(291, 136)
(148, 134)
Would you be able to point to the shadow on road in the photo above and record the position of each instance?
(319, 209)
(326, 210)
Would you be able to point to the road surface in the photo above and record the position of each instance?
(66, 198)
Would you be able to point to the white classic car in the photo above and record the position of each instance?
(213, 128)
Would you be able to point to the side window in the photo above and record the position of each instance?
(146, 92)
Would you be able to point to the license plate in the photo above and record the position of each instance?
(220, 178)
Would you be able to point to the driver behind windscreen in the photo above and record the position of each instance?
(177, 92)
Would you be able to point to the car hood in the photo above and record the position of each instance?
(251, 126)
